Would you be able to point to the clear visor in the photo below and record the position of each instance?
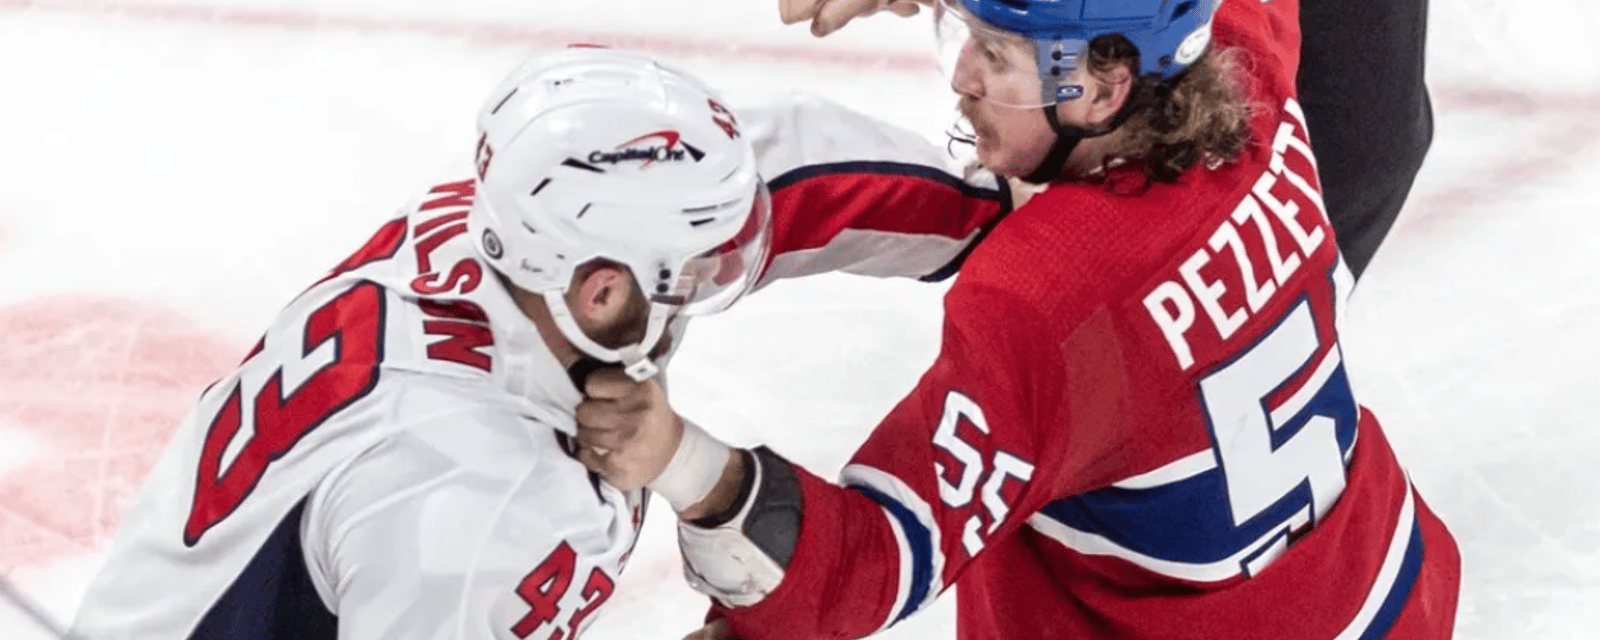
(983, 61)
(714, 280)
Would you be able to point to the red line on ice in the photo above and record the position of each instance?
(100, 383)
(723, 48)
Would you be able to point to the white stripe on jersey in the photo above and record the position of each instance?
(1387, 574)
(1092, 544)
(1181, 469)
(891, 486)
(866, 252)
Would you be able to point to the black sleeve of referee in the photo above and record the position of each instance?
(1361, 83)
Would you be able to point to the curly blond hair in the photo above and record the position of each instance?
(1203, 115)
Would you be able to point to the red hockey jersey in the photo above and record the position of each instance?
(1139, 424)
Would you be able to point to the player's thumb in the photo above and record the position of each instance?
(903, 8)
(610, 383)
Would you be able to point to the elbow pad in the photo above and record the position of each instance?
(740, 556)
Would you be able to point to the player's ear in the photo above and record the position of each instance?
(1109, 91)
(599, 293)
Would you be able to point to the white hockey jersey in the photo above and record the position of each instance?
(391, 462)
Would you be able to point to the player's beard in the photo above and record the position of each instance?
(630, 328)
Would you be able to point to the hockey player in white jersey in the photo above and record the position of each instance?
(392, 459)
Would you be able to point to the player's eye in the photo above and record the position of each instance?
(993, 55)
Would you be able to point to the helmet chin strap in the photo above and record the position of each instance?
(1055, 162)
(1067, 138)
(635, 358)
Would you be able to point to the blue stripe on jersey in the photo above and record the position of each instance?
(1190, 520)
(920, 541)
(273, 598)
(1003, 196)
(1187, 521)
(1395, 602)
(1335, 400)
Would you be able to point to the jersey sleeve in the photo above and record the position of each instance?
(856, 194)
(962, 460)
(439, 536)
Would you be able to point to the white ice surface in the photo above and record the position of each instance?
(207, 159)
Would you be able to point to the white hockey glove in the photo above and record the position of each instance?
(739, 556)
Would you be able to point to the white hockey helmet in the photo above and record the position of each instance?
(600, 153)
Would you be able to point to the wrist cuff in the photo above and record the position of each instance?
(694, 470)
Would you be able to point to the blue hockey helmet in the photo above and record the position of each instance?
(1054, 34)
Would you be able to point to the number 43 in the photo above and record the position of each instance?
(545, 587)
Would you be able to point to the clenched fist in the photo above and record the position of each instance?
(627, 431)
(827, 16)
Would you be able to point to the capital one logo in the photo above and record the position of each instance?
(648, 149)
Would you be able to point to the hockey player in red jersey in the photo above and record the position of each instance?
(1360, 81)
(1139, 424)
